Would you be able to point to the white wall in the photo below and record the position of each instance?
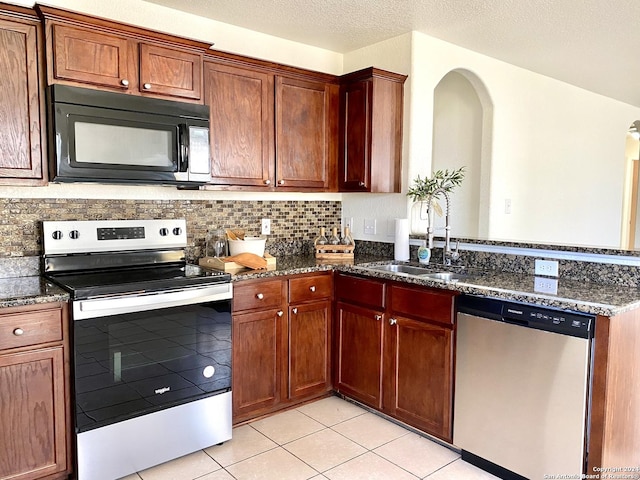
(557, 150)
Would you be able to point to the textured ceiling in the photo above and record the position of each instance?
(593, 44)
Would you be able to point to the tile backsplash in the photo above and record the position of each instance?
(294, 224)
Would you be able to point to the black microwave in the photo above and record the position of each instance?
(105, 137)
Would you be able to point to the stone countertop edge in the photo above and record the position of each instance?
(20, 291)
(592, 298)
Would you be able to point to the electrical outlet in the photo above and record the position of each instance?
(369, 226)
(545, 285)
(266, 226)
(548, 268)
(507, 206)
(347, 222)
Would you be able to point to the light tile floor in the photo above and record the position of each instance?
(328, 439)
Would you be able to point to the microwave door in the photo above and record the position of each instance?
(100, 145)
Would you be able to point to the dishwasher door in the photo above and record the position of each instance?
(521, 397)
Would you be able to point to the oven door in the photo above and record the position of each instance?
(130, 364)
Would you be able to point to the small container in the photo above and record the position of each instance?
(424, 254)
(248, 245)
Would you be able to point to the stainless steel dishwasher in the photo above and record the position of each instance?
(522, 388)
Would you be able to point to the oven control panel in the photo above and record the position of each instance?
(87, 236)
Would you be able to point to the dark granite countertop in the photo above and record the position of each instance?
(18, 291)
(594, 298)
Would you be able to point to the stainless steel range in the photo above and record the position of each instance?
(151, 343)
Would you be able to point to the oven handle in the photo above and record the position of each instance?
(100, 307)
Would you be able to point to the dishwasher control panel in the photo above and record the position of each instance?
(552, 320)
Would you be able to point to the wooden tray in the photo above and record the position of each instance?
(217, 263)
(335, 252)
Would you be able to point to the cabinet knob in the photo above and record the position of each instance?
(124, 82)
(259, 296)
(18, 331)
(392, 321)
(295, 310)
(280, 182)
(312, 288)
(361, 184)
(378, 317)
(267, 182)
(147, 86)
(280, 313)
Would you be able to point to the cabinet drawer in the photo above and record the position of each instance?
(432, 305)
(360, 291)
(313, 287)
(261, 295)
(30, 328)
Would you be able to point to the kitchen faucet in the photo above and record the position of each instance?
(447, 253)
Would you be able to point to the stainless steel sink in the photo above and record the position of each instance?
(423, 272)
(446, 276)
(409, 269)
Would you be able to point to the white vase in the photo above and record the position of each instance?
(419, 218)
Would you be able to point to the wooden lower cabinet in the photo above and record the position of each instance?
(281, 349)
(34, 397)
(309, 349)
(258, 348)
(418, 382)
(395, 350)
(359, 353)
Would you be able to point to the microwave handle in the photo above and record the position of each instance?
(183, 147)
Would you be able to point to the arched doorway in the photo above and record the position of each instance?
(462, 130)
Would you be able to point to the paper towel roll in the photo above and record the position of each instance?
(401, 246)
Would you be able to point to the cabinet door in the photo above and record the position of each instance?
(355, 148)
(305, 133)
(32, 414)
(241, 104)
(419, 375)
(309, 352)
(258, 353)
(359, 353)
(81, 55)
(21, 134)
(169, 71)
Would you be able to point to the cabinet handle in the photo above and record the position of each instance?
(147, 86)
(267, 182)
(280, 313)
(18, 331)
(280, 182)
(361, 184)
(124, 82)
(295, 310)
(378, 317)
(259, 296)
(312, 288)
(392, 321)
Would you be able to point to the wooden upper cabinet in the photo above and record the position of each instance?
(169, 71)
(21, 103)
(370, 139)
(305, 133)
(89, 57)
(241, 114)
(93, 52)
